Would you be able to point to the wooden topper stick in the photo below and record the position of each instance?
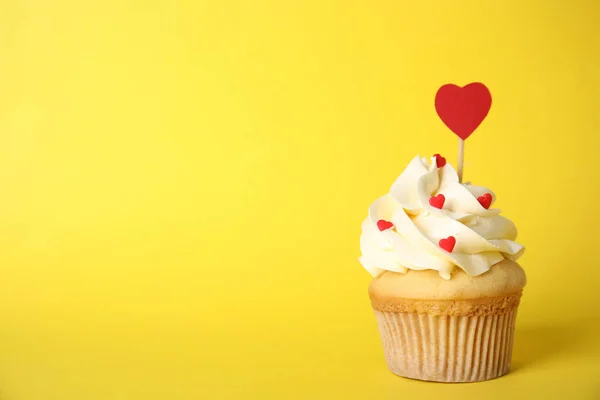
(461, 159)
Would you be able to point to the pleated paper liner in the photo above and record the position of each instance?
(448, 348)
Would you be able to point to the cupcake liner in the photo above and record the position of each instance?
(447, 348)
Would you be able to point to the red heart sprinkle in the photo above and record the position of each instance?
(439, 160)
(437, 201)
(485, 200)
(463, 109)
(383, 225)
(448, 243)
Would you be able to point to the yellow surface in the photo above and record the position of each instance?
(183, 184)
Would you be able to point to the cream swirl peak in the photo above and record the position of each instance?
(430, 220)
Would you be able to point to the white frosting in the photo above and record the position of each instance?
(483, 237)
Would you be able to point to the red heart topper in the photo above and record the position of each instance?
(463, 109)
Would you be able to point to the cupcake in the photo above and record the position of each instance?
(446, 285)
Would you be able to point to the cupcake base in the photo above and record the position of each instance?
(448, 348)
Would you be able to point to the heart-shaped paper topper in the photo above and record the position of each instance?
(463, 109)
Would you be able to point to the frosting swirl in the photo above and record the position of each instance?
(482, 237)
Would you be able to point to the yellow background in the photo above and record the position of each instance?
(183, 183)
